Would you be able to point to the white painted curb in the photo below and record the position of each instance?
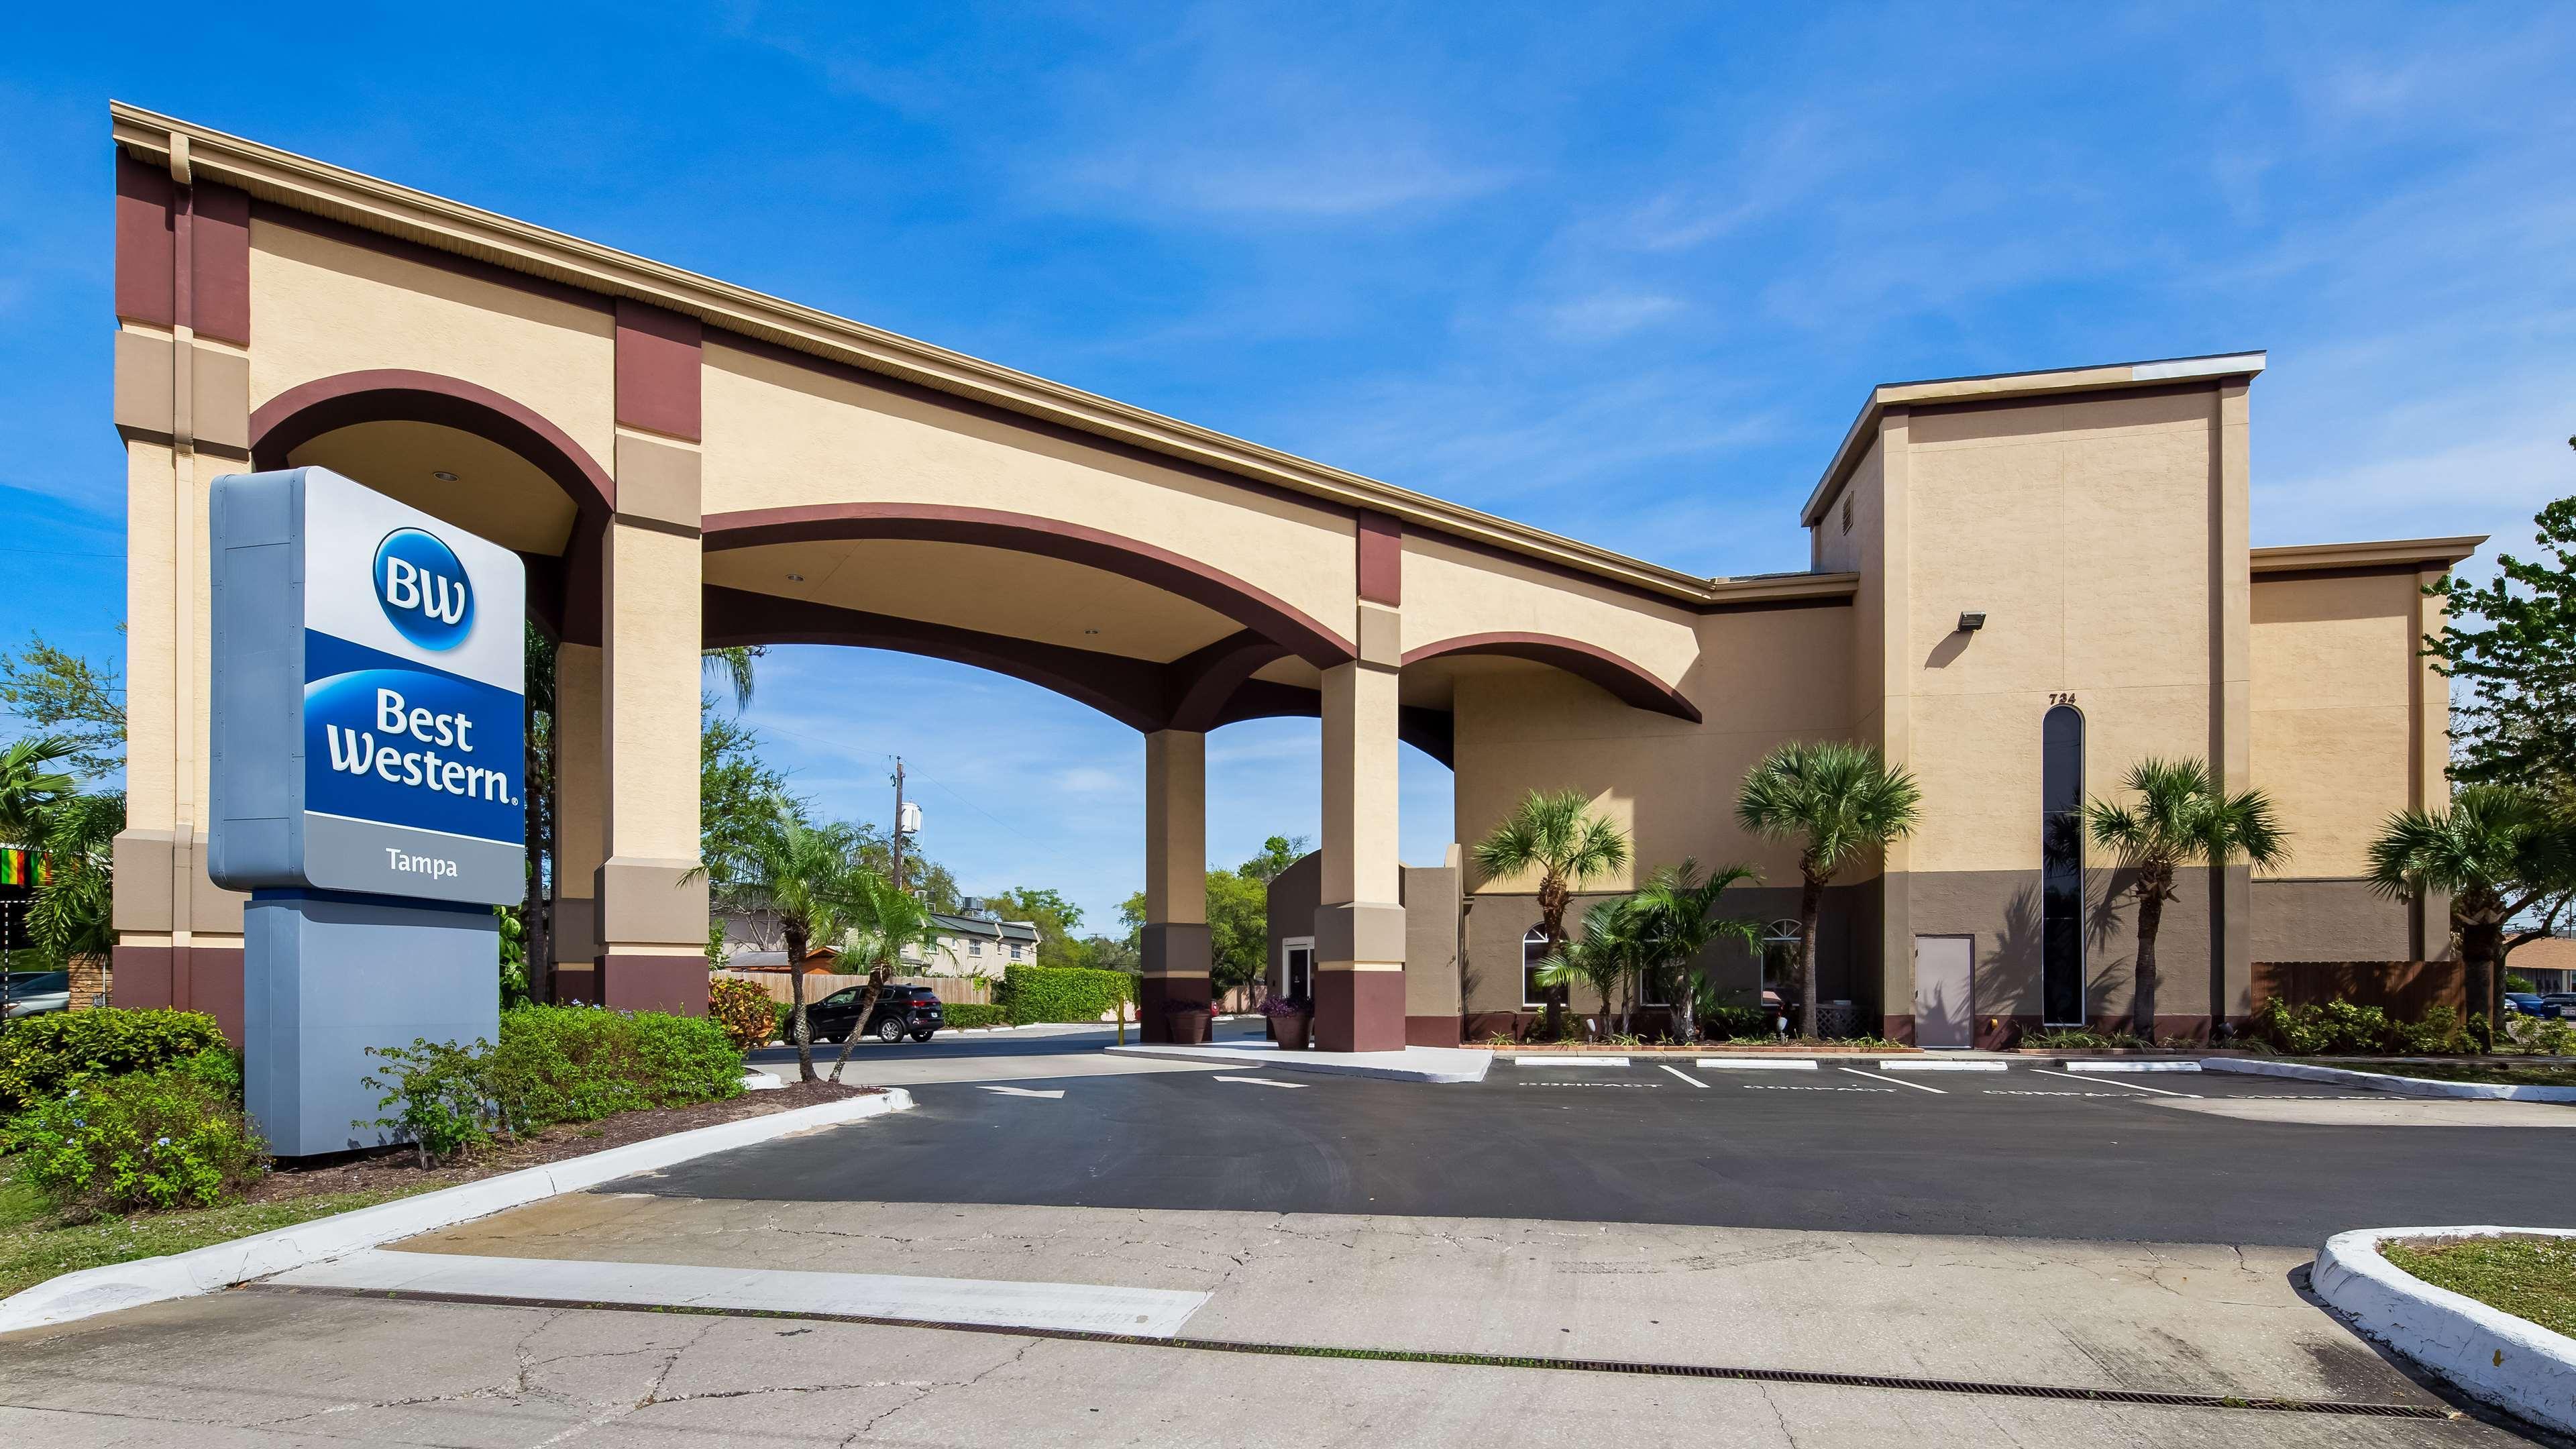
(1758, 1064)
(2382, 1082)
(2130, 1066)
(1569, 1060)
(1940, 1066)
(2490, 1355)
(218, 1266)
(1412, 1064)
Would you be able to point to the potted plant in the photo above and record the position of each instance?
(1186, 1022)
(1292, 1019)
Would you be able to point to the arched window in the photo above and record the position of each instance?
(2061, 846)
(1780, 956)
(1533, 952)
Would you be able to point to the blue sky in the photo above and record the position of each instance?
(1624, 273)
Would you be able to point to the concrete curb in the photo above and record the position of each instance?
(2088, 1065)
(2488, 1354)
(1413, 1064)
(217, 1266)
(2381, 1082)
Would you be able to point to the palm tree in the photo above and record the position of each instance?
(733, 665)
(1840, 802)
(1602, 956)
(1677, 920)
(884, 923)
(800, 873)
(69, 916)
(2181, 818)
(1556, 834)
(28, 790)
(2495, 852)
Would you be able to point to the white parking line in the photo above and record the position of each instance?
(1264, 1082)
(1569, 1061)
(1757, 1064)
(1900, 1081)
(2096, 1081)
(1685, 1076)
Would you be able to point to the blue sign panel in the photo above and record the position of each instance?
(369, 719)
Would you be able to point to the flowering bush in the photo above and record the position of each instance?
(148, 1140)
(745, 1012)
(1286, 1006)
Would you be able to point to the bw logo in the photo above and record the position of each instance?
(422, 589)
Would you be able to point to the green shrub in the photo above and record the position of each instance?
(554, 1064)
(1735, 1023)
(1061, 993)
(969, 1013)
(2340, 1027)
(142, 1140)
(2076, 1038)
(43, 1056)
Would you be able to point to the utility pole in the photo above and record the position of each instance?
(897, 833)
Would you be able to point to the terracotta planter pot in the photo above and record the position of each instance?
(1188, 1028)
(1293, 1033)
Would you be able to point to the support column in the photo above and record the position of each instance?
(2230, 996)
(182, 407)
(652, 902)
(581, 821)
(1359, 927)
(1175, 942)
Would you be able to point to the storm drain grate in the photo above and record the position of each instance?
(2057, 1392)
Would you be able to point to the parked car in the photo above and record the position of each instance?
(902, 1011)
(2565, 1001)
(33, 993)
(2523, 1003)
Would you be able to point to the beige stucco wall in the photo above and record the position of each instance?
(1452, 590)
(324, 307)
(2334, 664)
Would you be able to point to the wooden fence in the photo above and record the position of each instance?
(2403, 989)
(963, 990)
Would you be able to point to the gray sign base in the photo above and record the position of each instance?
(326, 976)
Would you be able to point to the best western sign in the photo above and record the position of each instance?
(368, 713)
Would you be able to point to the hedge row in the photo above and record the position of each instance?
(973, 1013)
(1058, 993)
(41, 1057)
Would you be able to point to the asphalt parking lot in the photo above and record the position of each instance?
(2032, 1151)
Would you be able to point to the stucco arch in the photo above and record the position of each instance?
(300, 414)
(1623, 678)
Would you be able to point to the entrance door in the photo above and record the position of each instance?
(1945, 991)
(1297, 968)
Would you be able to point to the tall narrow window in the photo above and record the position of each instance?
(1533, 956)
(2061, 844)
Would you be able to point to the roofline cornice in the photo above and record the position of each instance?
(1998, 387)
(303, 184)
(2381, 553)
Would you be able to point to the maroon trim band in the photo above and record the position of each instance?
(1620, 677)
(657, 370)
(147, 256)
(219, 263)
(1252, 607)
(1381, 559)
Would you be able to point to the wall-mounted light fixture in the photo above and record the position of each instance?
(1971, 620)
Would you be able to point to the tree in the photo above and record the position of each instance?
(65, 695)
(734, 666)
(1277, 854)
(1677, 920)
(883, 923)
(537, 664)
(2514, 640)
(1557, 835)
(1840, 802)
(1238, 920)
(738, 792)
(1605, 954)
(70, 915)
(2180, 818)
(801, 873)
(29, 789)
(2495, 852)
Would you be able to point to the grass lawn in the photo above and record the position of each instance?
(33, 1248)
(2530, 1278)
(2533, 1072)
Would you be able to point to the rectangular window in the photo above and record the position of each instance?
(974, 948)
(1533, 954)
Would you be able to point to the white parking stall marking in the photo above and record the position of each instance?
(2098, 1082)
(1940, 1066)
(1265, 1082)
(1685, 1076)
(1026, 1092)
(1569, 1061)
(2132, 1066)
(1757, 1064)
(1900, 1081)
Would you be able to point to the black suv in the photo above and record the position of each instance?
(902, 1011)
